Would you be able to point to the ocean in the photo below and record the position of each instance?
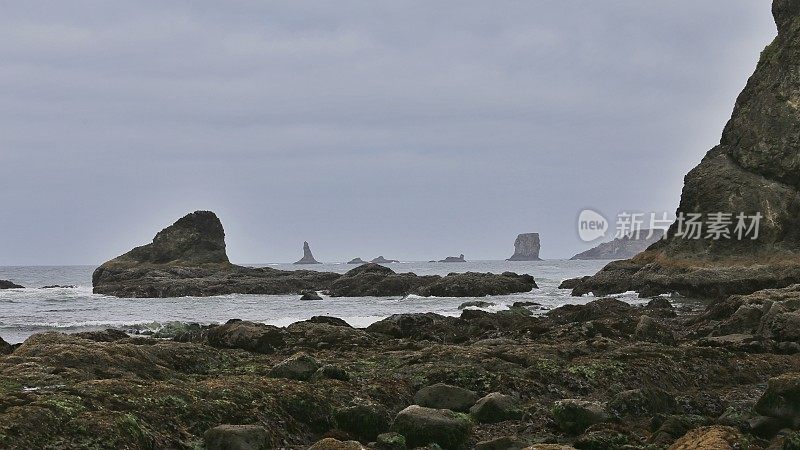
(32, 310)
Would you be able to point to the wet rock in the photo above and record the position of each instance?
(418, 325)
(254, 337)
(502, 443)
(236, 437)
(307, 258)
(476, 304)
(526, 248)
(58, 286)
(571, 283)
(9, 285)
(781, 400)
(300, 366)
(642, 402)
(443, 396)
(648, 330)
(364, 420)
(765, 427)
(603, 308)
(669, 428)
(711, 438)
(421, 426)
(309, 295)
(473, 284)
(329, 320)
(659, 303)
(390, 441)
(604, 436)
(331, 372)
(575, 416)
(496, 407)
(335, 444)
(107, 335)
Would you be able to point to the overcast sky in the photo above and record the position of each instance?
(409, 129)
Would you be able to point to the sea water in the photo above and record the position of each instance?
(32, 310)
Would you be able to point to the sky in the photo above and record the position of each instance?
(413, 130)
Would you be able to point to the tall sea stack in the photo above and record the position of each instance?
(526, 248)
(755, 170)
(307, 258)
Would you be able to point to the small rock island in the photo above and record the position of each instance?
(307, 258)
(453, 259)
(9, 285)
(526, 248)
(382, 260)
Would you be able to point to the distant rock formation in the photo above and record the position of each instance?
(307, 258)
(373, 280)
(356, 261)
(622, 248)
(453, 259)
(9, 285)
(755, 170)
(526, 248)
(382, 260)
(188, 258)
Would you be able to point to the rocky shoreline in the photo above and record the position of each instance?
(604, 375)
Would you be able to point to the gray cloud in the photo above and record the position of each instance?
(411, 129)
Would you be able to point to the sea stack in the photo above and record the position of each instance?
(526, 248)
(753, 172)
(307, 258)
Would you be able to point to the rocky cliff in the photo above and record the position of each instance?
(755, 170)
(307, 258)
(526, 248)
(622, 248)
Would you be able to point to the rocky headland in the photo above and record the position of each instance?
(526, 248)
(755, 170)
(189, 258)
(622, 248)
(308, 257)
(604, 375)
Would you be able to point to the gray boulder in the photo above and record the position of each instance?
(364, 420)
(421, 426)
(574, 416)
(444, 396)
(300, 366)
(236, 437)
(496, 407)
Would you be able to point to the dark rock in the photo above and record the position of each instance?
(419, 326)
(382, 260)
(365, 420)
(765, 427)
(596, 309)
(254, 337)
(300, 366)
(526, 248)
(472, 284)
(781, 400)
(496, 407)
(390, 441)
(572, 283)
(188, 259)
(502, 443)
(475, 304)
(9, 285)
(444, 396)
(673, 427)
(309, 295)
(307, 258)
(575, 416)
(57, 286)
(659, 303)
(524, 304)
(605, 436)
(236, 437)
(356, 261)
(453, 259)
(648, 330)
(107, 335)
(335, 444)
(331, 372)
(329, 320)
(5, 347)
(421, 426)
(622, 248)
(642, 402)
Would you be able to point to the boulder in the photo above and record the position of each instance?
(390, 441)
(572, 283)
(299, 366)
(526, 248)
(444, 396)
(643, 402)
(254, 337)
(363, 420)
(329, 320)
(575, 416)
(649, 330)
(476, 304)
(496, 407)
(335, 444)
(711, 438)
(307, 258)
(781, 400)
(421, 426)
(9, 285)
(310, 295)
(236, 437)
(331, 372)
(502, 443)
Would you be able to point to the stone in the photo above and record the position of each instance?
(107, 335)
(421, 426)
(711, 438)
(502, 443)
(307, 258)
(299, 366)
(575, 416)
(309, 295)
(476, 304)
(649, 330)
(363, 420)
(254, 337)
(9, 285)
(572, 283)
(643, 402)
(236, 437)
(526, 248)
(622, 247)
(444, 396)
(390, 441)
(781, 400)
(659, 303)
(335, 444)
(496, 407)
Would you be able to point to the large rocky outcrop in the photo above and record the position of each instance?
(622, 248)
(9, 285)
(307, 258)
(526, 248)
(188, 258)
(754, 170)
